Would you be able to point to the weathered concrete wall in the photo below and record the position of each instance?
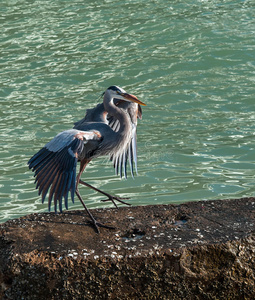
(197, 250)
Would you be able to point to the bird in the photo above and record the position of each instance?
(98, 114)
(109, 129)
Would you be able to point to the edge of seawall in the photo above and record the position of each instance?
(195, 250)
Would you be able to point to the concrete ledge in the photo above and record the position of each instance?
(196, 250)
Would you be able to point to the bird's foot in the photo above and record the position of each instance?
(92, 221)
(97, 224)
(115, 198)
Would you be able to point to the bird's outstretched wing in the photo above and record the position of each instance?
(55, 165)
(120, 163)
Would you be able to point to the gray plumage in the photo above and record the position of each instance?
(99, 114)
(108, 129)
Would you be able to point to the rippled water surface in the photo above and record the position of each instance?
(192, 62)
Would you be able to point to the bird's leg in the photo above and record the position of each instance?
(110, 197)
(93, 220)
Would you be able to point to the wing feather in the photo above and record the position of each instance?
(44, 183)
(120, 164)
(116, 165)
(134, 150)
(55, 165)
(129, 152)
(130, 158)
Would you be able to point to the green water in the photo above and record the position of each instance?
(192, 62)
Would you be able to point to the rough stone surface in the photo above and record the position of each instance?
(197, 250)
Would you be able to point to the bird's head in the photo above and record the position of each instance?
(119, 93)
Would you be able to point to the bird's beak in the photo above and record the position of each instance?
(132, 98)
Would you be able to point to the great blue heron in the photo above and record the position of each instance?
(108, 129)
(99, 114)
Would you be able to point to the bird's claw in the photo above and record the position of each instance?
(97, 224)
(119, 199)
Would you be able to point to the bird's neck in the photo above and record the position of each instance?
(121, 115)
